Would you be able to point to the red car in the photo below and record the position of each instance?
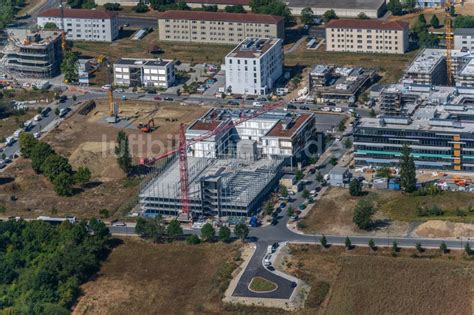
(157, 98)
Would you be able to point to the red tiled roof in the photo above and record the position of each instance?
(223, 2)
(220, 16)
(78, 13)
(278, 131)
(367, 24)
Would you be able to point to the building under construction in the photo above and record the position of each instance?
(217, 187)
(32, 54)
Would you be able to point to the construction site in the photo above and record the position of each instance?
(30, 54)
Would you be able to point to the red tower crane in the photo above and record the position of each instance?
(183, 146)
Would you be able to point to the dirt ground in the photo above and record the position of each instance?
(88, 140)
(9, 124)
(145, 278)
(333, 213)
(363, 282)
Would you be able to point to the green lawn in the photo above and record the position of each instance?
(262, 285)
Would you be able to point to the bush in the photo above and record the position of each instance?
(112, 6)
(140, 8)
(430, 190)
(207, 232)
(363, 213)
(224, 234)
(193, 239)
(63, 183)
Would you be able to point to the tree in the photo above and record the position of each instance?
(333, 160)
(54, 165)
(140, 8)
(464, 21)
(363, 213)
(422, 19)
(74, 97)
(39, 153)
(307, 16)
(394, 247)
(122, 152)
(443, 247)
(395, 7)
(355, 188)
(341, 126)
(150, 228)
(69, 67)
(290, 211)
(207, 232)
(63, 183)
(234, 9)
(7, 13)
(329, 15)
(372, 113)
(348, 243)
(174, 229)
(452, 10)
(323, 240)
(56, 110)
(104, 213)
(305, 194)
(418, 247)
(82, 176)
(269, 208)
(193, 239)
(98, 228)
(241, 230)
(273, 7)
(467, 249)
(348, 143)
(371, 244)
(27, 142)
(112, 6)
(210, 8)
(434, 21)
(283, 191)
(224, 234)
(407, 170)
(362, 16)
(299, 175)
(319, 177)
(50, 26)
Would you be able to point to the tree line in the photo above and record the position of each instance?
(44, 160)
(43, 265)
(8, 9)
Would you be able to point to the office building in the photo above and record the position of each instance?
(367, 36)
(464, 38)
(217, 27)
(159, 73)
(82, 24)
(253, 66)
(428, 68)
(30, 54)
(430, 3)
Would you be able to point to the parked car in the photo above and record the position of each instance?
(270, 268)
(337, 110)
(17, 133)
(157, 98)
(9, 141)
(267, 260)
(45, 111)
(291, 106)
(37, 117)
(257, 104)
(119, 223)
(63, 112)
(326, 109)
(106, 87)
(274, 222)
(167, 98)
(304, 107)
(37, 135)
(234, 103)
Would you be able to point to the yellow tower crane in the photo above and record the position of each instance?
(448, 25)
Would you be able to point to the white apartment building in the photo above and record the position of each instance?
(464, 38)
(144, 72)
(81, 24)
(253, 66)
(367, 36)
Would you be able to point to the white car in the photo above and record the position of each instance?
(119, 223)
(267, 260)
(106, 87)
(37, 135)
(337, 110)
(326, 109)
(269, 249)
(257, 104)
(17, 133)
(9, 141)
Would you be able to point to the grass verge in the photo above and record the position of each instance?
(260, 284)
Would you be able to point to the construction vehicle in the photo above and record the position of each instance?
(183, 146)
(148, 127)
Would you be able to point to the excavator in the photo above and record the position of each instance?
(148, 127)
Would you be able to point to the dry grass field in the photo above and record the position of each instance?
(359, 282)
(145, 278)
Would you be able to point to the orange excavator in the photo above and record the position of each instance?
(148, 127)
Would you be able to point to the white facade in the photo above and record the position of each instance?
(144, 72)
(253, 66)
(87, 28)
(464, 39)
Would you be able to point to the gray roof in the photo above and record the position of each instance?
(337, 4)
(338, 170)
(464, 31)
(143, 62)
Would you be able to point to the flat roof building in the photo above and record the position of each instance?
(253, 66)
(428, 68)
(82, 24)
(464, 38)
(217, 27)
(144, 72)
(31, 54)
(342, 8)
(221, 4)
(367, 36)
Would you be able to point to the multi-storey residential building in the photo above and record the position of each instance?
(367, 36)
(428, 67)
(253, 66)
(464, 39)
(144, 72)
(81, 24)
(217, 27)
(343, 8)
(32, 54)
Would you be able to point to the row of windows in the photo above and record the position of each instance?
(360, 36)
(360, 30)
(368, 47)
(218, 23)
